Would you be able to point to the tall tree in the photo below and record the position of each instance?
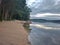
(13, 8)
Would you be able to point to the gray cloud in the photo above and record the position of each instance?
(46, 6)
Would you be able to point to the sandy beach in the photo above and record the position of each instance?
(13, 33)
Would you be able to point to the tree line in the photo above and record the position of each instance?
(14, 9)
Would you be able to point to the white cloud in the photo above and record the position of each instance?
(43, 15)
(48, 16)
(29, 2)
(56, 2)
(33, 3)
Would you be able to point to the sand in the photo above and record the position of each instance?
(13, 33)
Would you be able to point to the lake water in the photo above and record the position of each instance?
(44, 33)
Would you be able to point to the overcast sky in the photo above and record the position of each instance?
(44, 6)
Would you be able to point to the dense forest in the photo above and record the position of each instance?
(14, 9)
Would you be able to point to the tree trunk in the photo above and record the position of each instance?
(3, 13)
(6, 15)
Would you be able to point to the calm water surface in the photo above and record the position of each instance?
(44, 33)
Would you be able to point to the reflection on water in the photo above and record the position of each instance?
(43, 26)
(44, 34)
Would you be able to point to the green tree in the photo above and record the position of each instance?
(14, 9)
